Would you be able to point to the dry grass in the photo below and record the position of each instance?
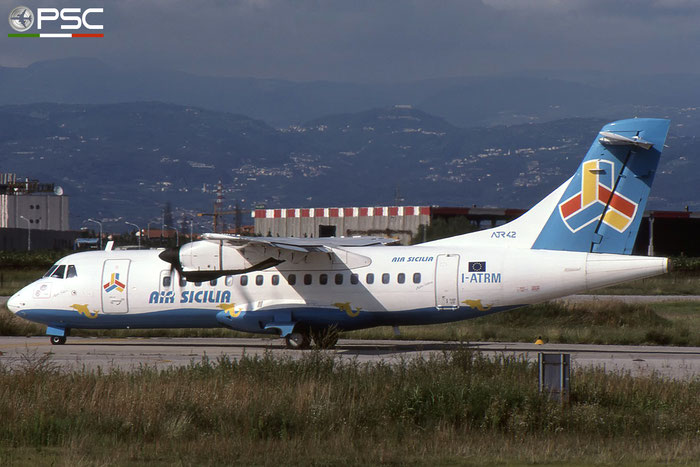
(456, 408)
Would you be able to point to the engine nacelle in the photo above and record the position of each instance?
(206, 255)
(206, 260)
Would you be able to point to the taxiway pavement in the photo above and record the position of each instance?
(161, 352)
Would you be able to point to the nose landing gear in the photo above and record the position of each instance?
(57, 336)
(57, 340)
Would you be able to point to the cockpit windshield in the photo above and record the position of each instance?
(51, 270)
(61, 271)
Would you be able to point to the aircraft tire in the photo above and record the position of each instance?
(57, 340)
(298, 340)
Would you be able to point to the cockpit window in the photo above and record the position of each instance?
(50, 271)
(71, 272)
(59, 272)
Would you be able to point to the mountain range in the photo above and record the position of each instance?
(124, 162)
(474, 101)
(124, 143)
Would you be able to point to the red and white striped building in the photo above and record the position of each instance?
(396, 221)
(400, 222)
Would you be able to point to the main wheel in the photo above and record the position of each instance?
(298, 340)
(325, 338)
(57, 340)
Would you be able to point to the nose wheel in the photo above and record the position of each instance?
(57, 340)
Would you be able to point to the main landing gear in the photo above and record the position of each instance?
(301, 338)
(57, 340)
(298, 340)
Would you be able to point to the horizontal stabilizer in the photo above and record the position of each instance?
(613, 139)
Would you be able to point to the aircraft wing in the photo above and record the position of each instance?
(304, 245)
(217, 254)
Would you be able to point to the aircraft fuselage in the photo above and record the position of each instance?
(390, 285)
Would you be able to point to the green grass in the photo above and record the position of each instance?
(600, 322)
(13, 279)
(458, 407)
(672, 283)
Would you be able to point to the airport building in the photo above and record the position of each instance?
(661, 233)
(401, 222)
(33, 214)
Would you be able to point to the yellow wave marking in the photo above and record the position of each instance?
(345, 306)
(229, 309)
(85, 311)
(477, 305)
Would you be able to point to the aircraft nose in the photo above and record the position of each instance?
(15, 303)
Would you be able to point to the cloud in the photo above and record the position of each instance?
(383, 40)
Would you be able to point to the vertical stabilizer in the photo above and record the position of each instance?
(602, 206)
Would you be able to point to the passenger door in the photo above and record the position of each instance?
(446, 270)
(115, 278)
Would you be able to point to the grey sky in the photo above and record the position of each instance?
(380, 40)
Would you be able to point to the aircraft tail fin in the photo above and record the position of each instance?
(600, 208)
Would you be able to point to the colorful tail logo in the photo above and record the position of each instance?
(586, 206)
(114, 284)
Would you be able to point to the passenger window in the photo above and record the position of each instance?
(385, 278)
(182, 282)
(228, 281)
(401, 278)
(338, 279)
(258, 280)
(50, 271)
(275, 279)
(59, 272)
(323, 279)
(71, 272)
(292, 279)
(167, 281)
(244, 280)
(416, 278)
(213, 283)
(197, 284)
(370, 278)
(307, 279)
(354, 279)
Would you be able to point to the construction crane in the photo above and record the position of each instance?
(218, 203)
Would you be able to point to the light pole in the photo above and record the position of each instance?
(138, 229)
(29, 233)
(177, 234)
(100, 224)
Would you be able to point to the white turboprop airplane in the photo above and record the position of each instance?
(578, 238)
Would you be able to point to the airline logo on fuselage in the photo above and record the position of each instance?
(584, 208)
(191, 296)
(114, 283)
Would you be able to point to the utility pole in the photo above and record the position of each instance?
(138, 232)
(218, 204)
